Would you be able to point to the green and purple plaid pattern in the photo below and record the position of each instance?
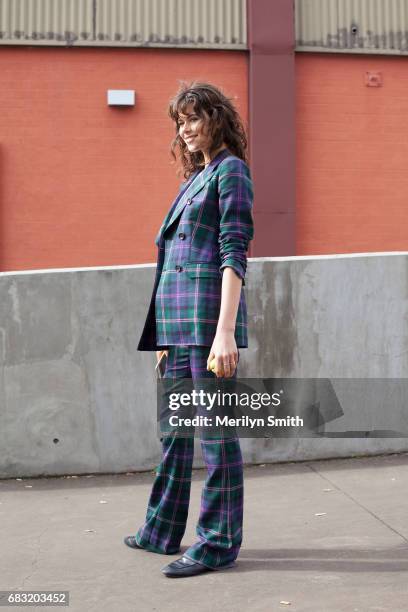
(220, 523)
(207, 228)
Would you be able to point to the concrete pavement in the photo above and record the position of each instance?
(319, 536)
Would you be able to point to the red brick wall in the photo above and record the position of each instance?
(352, 152)
(81, 183)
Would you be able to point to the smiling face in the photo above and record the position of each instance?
(193, 130)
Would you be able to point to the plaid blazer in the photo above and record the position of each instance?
(207, 228)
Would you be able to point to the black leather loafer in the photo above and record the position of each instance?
(131, 541)
(184, 567)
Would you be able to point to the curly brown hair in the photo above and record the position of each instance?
(220, 117)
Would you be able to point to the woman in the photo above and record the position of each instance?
(198, 313)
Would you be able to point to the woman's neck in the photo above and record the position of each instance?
(207, 160)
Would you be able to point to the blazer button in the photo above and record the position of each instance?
(189, 201)
(179, 268)
(182, 235)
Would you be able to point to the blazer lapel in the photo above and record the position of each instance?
(192, 189)
(173, 206)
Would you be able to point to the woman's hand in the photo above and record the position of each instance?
(160, 353)
(224, 351)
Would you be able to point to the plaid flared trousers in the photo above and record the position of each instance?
(220, 522)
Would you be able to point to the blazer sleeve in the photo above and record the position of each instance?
(235, 192)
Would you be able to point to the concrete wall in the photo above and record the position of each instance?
(76, 397)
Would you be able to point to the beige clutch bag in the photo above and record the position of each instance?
(161, 366)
